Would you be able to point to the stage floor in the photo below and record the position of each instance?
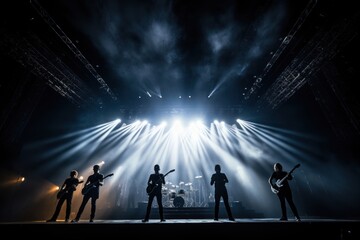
(268, 228)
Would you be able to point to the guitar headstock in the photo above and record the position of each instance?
(172, 170)
(296, 166)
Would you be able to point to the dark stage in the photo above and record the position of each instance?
(251, 103)
(188, 228)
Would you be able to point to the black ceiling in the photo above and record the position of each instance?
(101, 53)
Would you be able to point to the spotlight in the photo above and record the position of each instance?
(179, 96)
(57, 188)
(81, 178)
(189, 96)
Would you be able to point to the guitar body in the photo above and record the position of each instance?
(151, 187)
(279, 183)
(87, 188)
(275, 189)
(62, 192)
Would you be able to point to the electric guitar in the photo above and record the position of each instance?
(90, 186)
(151, 187)
(65, 190)
(279, 183)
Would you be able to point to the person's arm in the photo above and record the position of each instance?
(163, 178)
(101, 180)
(87, 181)
(212, 180)
(63, 185)
(270, 180)
(226, 180)
(149, 180)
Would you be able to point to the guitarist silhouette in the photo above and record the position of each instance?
(283, 190)
(66, 193)
(154, 190)
(95, 180)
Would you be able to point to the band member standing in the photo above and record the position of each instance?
(155, 182)
(93, 184)
(284, 192)
(220, 179)
(66, 193)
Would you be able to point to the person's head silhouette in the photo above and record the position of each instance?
(278, 167)
(156, 168)
(217, 168)
(73, 173)
(96, 168)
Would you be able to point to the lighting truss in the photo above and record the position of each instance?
(47, 18)
(321, 48)
(258, 81)
(35, 56)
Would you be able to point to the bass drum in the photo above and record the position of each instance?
(179, 202)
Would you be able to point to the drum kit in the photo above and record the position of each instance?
(178, 195)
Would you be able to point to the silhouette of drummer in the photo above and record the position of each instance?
(220, 179)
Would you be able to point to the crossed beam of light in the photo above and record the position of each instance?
(244, 150)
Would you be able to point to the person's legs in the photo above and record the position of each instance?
(159, 201)
(82, 206)
(68, 207)
(93, 208)
(57, 209)
(148, 208)
(282, 205)
(217, 205)
(289, 199)
(227, 206)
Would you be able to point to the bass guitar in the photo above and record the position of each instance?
(63, 191)
(279, 183)
(90, 186)
(151, 187)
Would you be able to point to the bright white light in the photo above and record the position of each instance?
(117, 120)
(101, 163)
(148, 94)
(145, 122)
(189, 96)
(179, 96)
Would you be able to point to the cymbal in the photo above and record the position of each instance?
(188, 184)
(198, 176)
